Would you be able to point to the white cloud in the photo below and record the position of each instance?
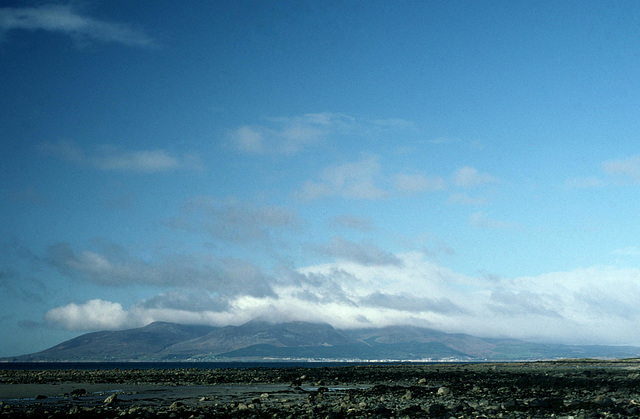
(98, 314)
(355, 180)
(468, 177)
(414, 183)
(93, 315)
(114, 159)
(65, 20)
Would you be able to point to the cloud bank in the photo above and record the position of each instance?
(573, 307)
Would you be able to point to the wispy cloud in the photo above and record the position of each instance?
(143, 161)
(366, 254)
(361, 179)
(584, 182)
(482, 220)
(110, 158)
(111, 265)
(286, 135)
(628, 168)
(632, 251)
(411, 303)
(415, 183)
(524, 302)
(355, 180)
(186, 301)
(236, 221)
(352, 222)
(464, 199)
(291, 135)
(28, 194)
(442, 140)
(468, 177)
(65, 20)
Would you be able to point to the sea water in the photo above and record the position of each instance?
(176, 365)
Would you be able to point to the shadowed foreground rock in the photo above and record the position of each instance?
(579, 389)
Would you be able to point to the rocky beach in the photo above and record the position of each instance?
(565, 389)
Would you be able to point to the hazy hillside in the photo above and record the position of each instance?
(259, 340)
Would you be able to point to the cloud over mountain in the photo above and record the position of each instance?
(413, 292)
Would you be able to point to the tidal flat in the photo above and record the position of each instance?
(564, 389)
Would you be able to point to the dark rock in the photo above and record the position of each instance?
(539, 404)
(632, 411)
(461, 407)
(574, 404)
(511, 390)
(510, 405)
(414, 410)
(437, 409)
(382, 410)
(603, 401)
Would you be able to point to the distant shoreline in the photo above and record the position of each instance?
(109, 365)
(230, 364)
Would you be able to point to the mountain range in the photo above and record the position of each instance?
(264, 341)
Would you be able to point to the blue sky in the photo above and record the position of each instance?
(466, 166)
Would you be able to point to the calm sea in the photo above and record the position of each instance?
(172, 365)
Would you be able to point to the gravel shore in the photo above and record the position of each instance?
(564, 389)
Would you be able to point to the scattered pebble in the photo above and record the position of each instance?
(580, 389)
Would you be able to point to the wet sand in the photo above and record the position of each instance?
(579, 389)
